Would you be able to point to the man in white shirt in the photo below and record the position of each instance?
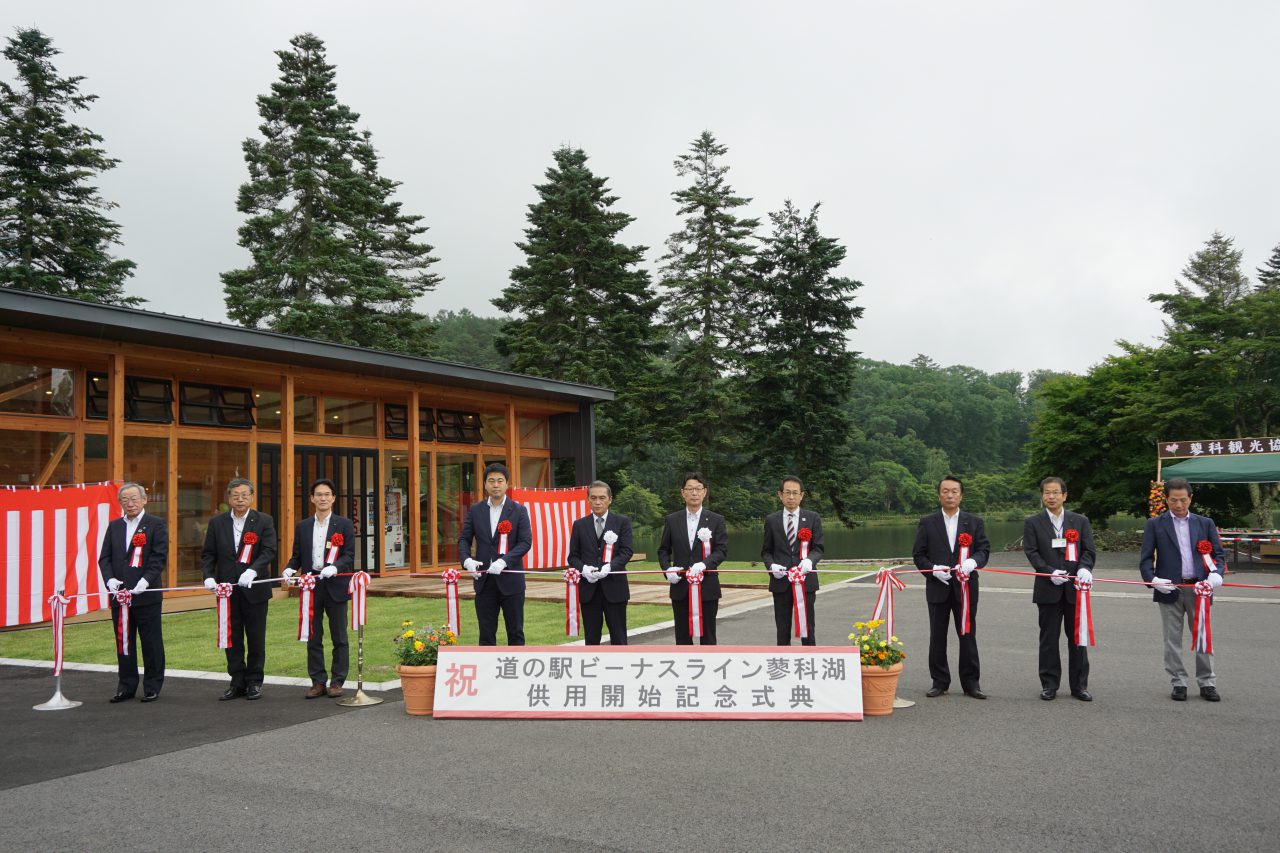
(792, 539)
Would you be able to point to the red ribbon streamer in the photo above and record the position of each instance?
(450, 577)
(1201, 627)
(695, 604)
(888, 582)
(306, 605)
(1082, 631)
(124, 598)
(358, 588)
(58, 602)
(572, 577)
(799, 607)
(223, 592)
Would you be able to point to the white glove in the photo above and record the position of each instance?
(210, 584)
(1059, 577)
(673, 576)
(328, 571)
(1214, 579)
(1084, 575)
(496, 567)
(603, 571)
(141, 586)
(114, 584)
(778, 571)
(476, 574)
(969, 565)
(471, 565)
(591, 573)
(942, 574)
(697, 568)
(1160, 584)
(246, 578)
(288, 574)
(806, 565)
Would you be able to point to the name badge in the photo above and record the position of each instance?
(1060, 542)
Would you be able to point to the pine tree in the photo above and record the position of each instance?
(706, 276)
(1269, 273)
(334, 258)
(585, 308)
(801, 367)
(54, 237)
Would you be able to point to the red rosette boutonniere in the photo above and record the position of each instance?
(139, 539)
(965, 540)
(247, 541)
(1072, 537)
(135, 559)
(804, 534)
(1204, 546)
(331, 550)
(249, 538)
(336, 540)
(504, 527)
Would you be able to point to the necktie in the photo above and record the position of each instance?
(599, 527)
(791, 530)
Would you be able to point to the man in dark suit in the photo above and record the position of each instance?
(1060, 543)
(135, 556)
(1170, 556)
(239, 548)
(604, 595)
(937, 553)
(325, 545)
(783, 540)
(499, 528)
(694, 539)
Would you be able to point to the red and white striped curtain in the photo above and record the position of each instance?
(49, 540)
(551, 515)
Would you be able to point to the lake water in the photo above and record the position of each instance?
(869, 542)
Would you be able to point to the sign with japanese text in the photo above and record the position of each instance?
(1217, 447)
(650, 682)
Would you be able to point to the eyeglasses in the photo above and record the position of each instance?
(694, 489)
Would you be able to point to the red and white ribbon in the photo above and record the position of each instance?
(247, 542)
(124, 598)
(704, 534)
(609, 538)
(804, 535)
(1072, 537)
(799, 607)
(222, 592)
(695, 604)
(1082, 631)
(58, 603)
(888, 582)
(572, 577)
(1205, 547)
(504, 528)
(966, 624)
(450, 578)
(135, 559)
(306, 605)
(1201, 628)
(358, 588)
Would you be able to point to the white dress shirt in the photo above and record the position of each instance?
(1056, 521)
(131, 527)
(1182, 530)
(495, 513)
(237, 525)
(952, 523)
(319, 535)
(691, 519)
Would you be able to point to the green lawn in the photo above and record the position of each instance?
(189, 637)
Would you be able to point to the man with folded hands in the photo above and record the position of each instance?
(696, 540)
(600, 548)
(792, 539)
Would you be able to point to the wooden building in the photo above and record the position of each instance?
(92, 392)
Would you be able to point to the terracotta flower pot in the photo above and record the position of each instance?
(419, 686)
(879, 687)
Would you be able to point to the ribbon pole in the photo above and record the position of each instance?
(58, 603)
(358, 589)
(360, 699)
(450, 578)
(888, 582)
(223, 593)
(799, 607)
(572, 577)
(1082, 631)
(1201, 629)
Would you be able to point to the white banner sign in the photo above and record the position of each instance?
(653, 682)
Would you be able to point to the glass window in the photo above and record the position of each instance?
(215, 405)
(29, 458)
(425, 425)
(95, 459)
(304, 413)
(458, 426)
(493, 428)
(204, 469)
(31, 389)
(424, 507)
(349, 417)
(533, 433)
(395, 541)
(395, 421)
(267, 409)
(146, 462)
(145, 400)
(455, 493)
(535, 472)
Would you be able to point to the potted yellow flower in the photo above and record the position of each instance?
(881, 665)
(417, 650)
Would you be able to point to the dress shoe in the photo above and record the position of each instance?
(1082, 695)
(232, 692)
(254, 692)
(1210, 694)
(316, 691)
(976, 693)
(1179, 694)
(1048, 694)
(120, 697)
(150, 697)
(335, 690)
(936, 691)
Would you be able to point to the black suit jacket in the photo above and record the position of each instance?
(932, 549)
(1037, 542)
(674, 550)
(220, 558)
(335, 588)
(519, 541)
(586, 550)
(776, 549)
(113, 560)
(1160, 554)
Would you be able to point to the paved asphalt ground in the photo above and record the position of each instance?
(1131, 771)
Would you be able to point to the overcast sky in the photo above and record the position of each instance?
(1011, 179)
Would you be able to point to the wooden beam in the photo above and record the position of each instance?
(413, 536)
(54, 459)
(433, 510)
(286, 486)
(115, 416)
(513, 444)
(6, 396)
